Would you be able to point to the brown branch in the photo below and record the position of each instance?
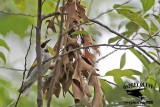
(56, 9)
(112, 31)
(49, 15)
(109, 45)
(25, 65)
(112, 9)
(55, 72)
(38, 53)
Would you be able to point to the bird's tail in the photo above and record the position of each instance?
(25, 90)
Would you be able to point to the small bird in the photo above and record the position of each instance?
(33, 71)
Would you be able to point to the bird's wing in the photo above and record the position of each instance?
(32, 67)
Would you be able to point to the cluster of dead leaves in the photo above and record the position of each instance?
(76, 70)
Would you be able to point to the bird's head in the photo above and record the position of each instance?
(44, 43)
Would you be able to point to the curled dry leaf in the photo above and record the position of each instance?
(98, 94)
(88, 55)
(66, 83)
(80, 97)
(87, 40)
(47, 80)
(70, 9)
(51, 26)
(81, 11)
(46, 84)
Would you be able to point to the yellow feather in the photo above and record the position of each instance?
(51, 51)
(34, 63)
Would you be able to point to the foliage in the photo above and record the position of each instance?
(77, 70)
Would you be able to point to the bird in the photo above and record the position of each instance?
(32, 75)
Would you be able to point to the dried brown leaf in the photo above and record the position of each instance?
(51, 26)
(81, 11)
(66, 83)
(72, 15)
(88, 55)
(80, 97)
(87, 39)
(98, 94)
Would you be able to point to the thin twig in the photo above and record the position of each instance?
(112, 9)
(13, 69)
(109, 45)
(105, 56)
(25, 65)
(50, 15)
(57, 5)
(55, 72)
(111, 83)
(112, 31)
(19, 14)
(156, 34)
(38, 53)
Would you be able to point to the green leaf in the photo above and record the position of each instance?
(122, 24)
(123, 61)
(48, 6)
(2, 56)
(121, 73)
(154, 24)
(148, 39)
(132, 27)
(118, 81)
(153, 28)
(114, 39)
(152, 53)
(123, 6)
(134, 17)
(147, 4)
(83, 32)
(17, 24)
(141, 57)
(3, 44)
(107, 89)
(21, 4)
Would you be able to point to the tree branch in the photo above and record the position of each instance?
(55, 72)
(38, 53)
(105, 56)
(56, 9)
(14, 69)
(112, 31)
(109, 45)
(112, 9)
(20, 14)
(50, 15)
(151, 37)
(25, 66)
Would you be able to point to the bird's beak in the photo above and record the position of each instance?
(45, 43)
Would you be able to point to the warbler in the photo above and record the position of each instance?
(33, 71)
